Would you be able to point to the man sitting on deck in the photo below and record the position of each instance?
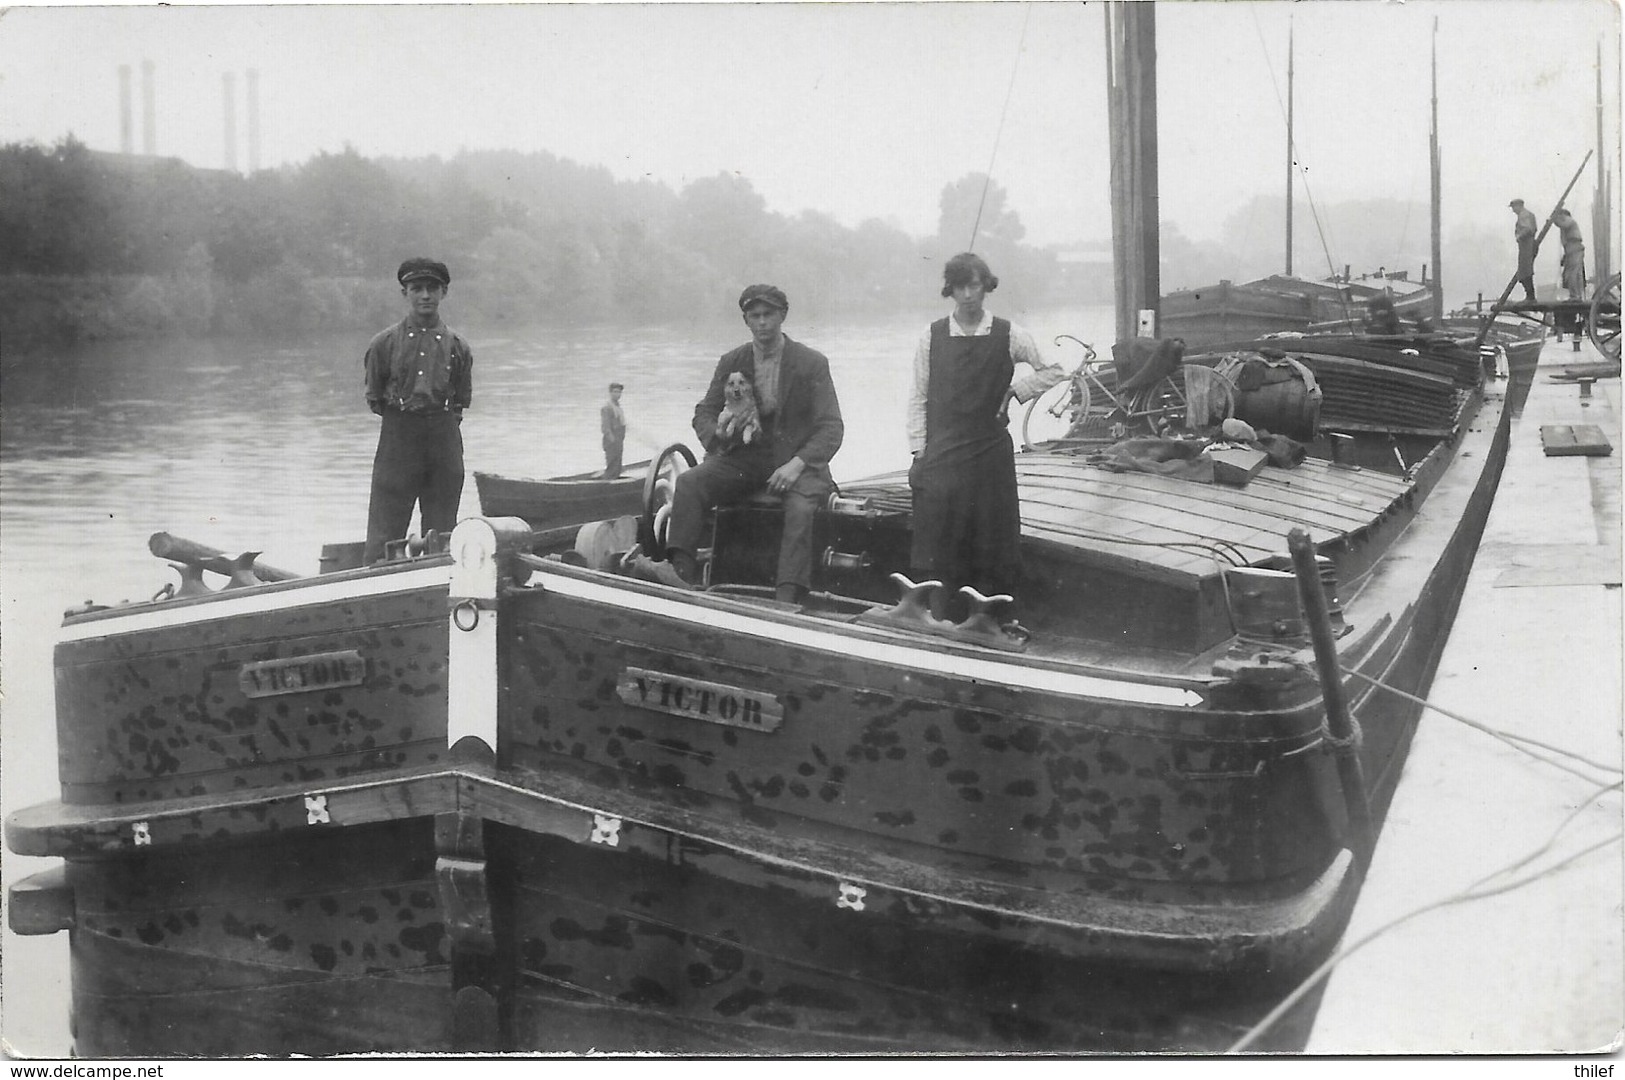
(801, 430)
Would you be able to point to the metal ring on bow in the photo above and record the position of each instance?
(466, 604)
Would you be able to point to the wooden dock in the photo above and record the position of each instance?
(1535, 652)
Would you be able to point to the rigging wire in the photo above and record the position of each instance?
(1303, 174)
(987, 178)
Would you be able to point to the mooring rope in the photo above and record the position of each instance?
(1496, 733)
(1479, 889)
(1472, 892)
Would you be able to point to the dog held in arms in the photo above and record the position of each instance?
(738, 423)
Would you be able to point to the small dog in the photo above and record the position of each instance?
(738, 422)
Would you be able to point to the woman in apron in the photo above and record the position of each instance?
(967, 517)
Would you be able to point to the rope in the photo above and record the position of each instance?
(1472, 892)
(1479, 889)
(1506, 737)
(987, 180)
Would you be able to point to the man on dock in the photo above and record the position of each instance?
(1574, 253)
(612, 422)
(419, 380)
(801, 430)
(1523, 231)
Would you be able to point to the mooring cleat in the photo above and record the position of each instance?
(191, 581)
(983, 618)
(984, 623)
(242, 571)
(914, 605)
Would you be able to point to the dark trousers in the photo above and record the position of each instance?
(419, 463)
(728, 478)
(1526, 268)
(612, 457)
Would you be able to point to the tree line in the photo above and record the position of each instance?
(97, 245)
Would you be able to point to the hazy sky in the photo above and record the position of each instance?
(867, 110)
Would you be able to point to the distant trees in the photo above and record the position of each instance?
(530, 238)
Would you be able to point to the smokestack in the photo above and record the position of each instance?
(149, 111)
(126, 126)
(229, 95)
(253, 120)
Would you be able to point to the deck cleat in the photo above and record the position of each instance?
(914, 605)
(242, 571)
(191, 581)
(984, 621)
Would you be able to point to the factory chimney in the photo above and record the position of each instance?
(229, 96)
(149, 111)
(253, 120)
(126, 132)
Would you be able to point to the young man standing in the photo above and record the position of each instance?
(419, 380)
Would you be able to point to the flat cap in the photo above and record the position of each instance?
(771, 295)
(1515, 203)
(617, 386)
(415, 268)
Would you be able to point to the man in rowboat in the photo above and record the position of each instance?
(419, 380)
(612, 422)
(967, 517)
(801, 430)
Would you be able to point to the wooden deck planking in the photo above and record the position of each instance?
(1106, 514)
(1299, 495)
(1199, 521)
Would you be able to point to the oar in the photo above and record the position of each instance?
(178, 549)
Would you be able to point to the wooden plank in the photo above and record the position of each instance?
(1274, 498)
(1272, 501)
(1574, 440)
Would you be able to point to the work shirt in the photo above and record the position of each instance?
(1524, 227)
(1023, 350)
(1568, 230)
(766, 381)
(419, 370)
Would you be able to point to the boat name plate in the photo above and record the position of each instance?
(697, 699)
(302, 674)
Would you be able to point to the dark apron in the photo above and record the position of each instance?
(967, 517)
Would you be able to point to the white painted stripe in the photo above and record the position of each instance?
(471, 654)
(253, 601)
(1015, 676)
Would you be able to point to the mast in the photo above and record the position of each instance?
(1433, 140)
(1601, 233)
(1291, 154)
(1131, 74)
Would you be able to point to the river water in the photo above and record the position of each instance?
(259, 444)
